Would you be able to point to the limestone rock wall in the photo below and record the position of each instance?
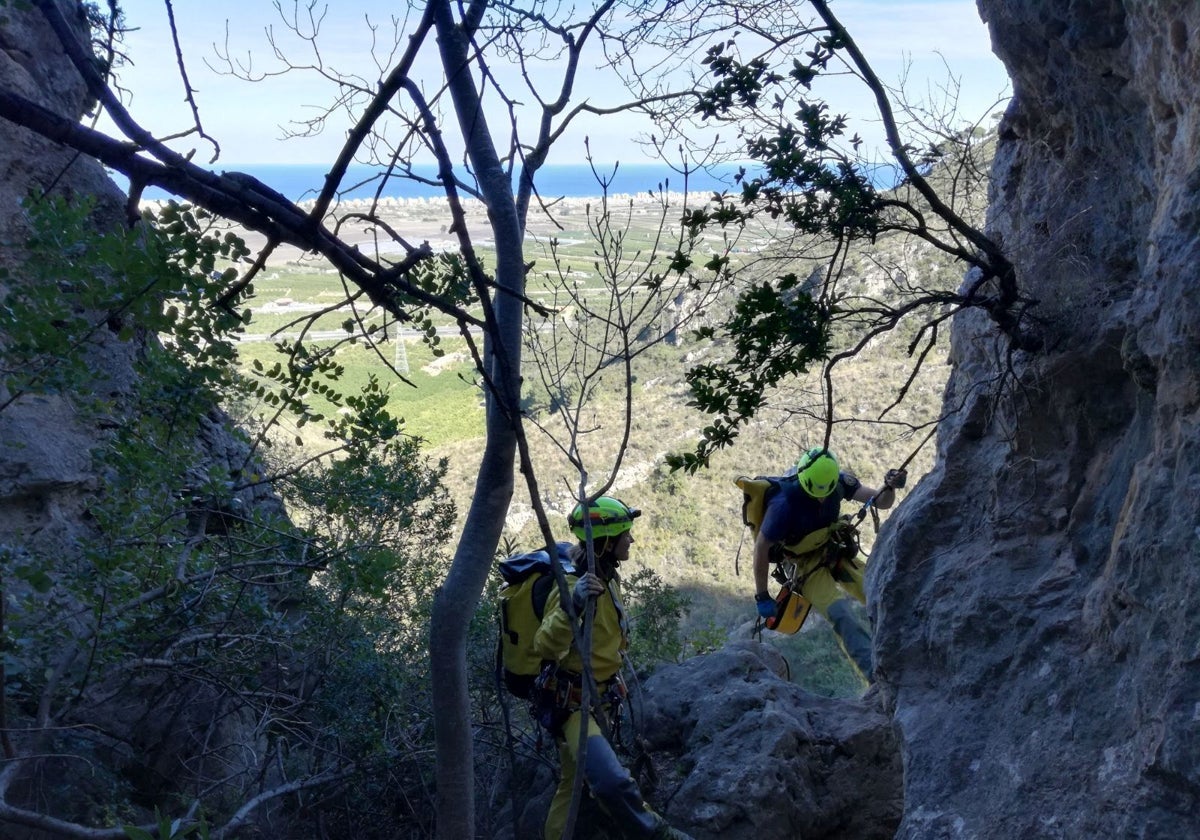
(1037, 598)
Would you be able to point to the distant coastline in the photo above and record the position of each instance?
(421, 212)
(301, 182)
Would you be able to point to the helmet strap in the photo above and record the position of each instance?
(606, 558)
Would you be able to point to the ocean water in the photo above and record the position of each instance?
(302, 181)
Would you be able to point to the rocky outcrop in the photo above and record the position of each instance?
(1036, 597)
(731, 748)
(754, 755)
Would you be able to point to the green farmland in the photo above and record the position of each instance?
(438, 396)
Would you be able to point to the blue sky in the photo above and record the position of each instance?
(928, 40)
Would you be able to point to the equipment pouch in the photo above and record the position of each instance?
(791, 609)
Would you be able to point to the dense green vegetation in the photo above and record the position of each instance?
(272, 609)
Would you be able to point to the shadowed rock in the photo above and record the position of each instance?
(753, 756)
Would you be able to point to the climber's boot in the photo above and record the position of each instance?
(616, 792)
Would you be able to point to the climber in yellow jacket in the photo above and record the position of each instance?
(559, 694)
(795, 527)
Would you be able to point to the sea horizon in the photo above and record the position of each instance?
(302, 181)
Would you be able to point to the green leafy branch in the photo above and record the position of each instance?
(775, 331)
(810, 175)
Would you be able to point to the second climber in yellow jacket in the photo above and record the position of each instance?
(805, 504)
(559, 697)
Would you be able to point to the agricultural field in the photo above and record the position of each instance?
(297, 296)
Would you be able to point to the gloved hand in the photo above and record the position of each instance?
(588, 586)
(895, 479)
(765, 605)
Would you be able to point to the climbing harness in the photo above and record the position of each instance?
(558, 693)
(792, 570)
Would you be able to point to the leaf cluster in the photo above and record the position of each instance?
(806, 171)
(776, 330)
(147, 280)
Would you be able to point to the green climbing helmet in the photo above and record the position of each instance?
(817, 471)
(610, 517)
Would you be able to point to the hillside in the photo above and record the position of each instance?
(692, 535)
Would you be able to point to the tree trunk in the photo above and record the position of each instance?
(456, 600)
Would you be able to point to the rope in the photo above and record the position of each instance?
(869, 504)
(737, 558)
(920, 446)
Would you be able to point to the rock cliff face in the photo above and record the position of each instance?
(49, 483)
(1036, 598)
(44, 463)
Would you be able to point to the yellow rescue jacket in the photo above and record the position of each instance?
(610, 636)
